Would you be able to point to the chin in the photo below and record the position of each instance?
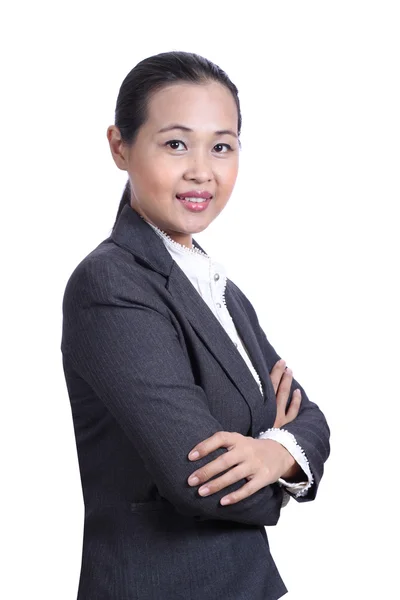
(197, 227)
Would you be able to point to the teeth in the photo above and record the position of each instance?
(195, 199)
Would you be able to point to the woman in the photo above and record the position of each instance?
(163, 355)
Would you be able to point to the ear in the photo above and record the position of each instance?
(118, 149)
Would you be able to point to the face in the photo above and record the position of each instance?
(197, 151)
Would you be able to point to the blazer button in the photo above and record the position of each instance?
(218, 305)
(216, 277)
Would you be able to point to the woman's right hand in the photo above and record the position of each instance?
(282, 380)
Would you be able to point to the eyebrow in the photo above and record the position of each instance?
(183, 128)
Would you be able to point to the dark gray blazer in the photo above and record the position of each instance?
(150, 373)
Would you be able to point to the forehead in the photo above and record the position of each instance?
(199, 106)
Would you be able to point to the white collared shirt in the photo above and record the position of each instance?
(209, 278)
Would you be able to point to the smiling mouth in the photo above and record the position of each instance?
(194, 200)
(195, 205)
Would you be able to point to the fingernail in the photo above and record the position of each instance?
(289, 371)
(204, 491)
(225, 501)
(193, 480)
(194, 454)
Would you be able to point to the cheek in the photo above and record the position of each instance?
(164, 173)
(228, 175)
(154, 177)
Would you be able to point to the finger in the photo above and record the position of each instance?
(235, 474)
(277, 372)
(219, 465)
(283, 393)
(244, 492)
(220, 439)
(294, 406)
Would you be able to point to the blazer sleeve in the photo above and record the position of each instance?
(124, 344)
(310, 427)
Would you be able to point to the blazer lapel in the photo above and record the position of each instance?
(250, 341)
(214, 336)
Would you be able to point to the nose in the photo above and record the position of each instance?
(199, 168)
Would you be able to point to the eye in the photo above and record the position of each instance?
(174, 142)
(229, 148)
(220, 146)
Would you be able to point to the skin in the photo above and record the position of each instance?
(159, 170)
(161, 165)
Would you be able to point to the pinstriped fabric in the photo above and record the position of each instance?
(150, 373)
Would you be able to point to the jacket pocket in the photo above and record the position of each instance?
(151, 505)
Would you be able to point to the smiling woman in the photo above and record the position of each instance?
(164, 355)
(166, 174)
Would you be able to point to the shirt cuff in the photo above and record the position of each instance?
(287, 439)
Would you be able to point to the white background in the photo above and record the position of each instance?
(315, 211)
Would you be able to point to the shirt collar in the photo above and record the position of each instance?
(192, 260)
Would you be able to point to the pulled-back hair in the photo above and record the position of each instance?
(149, 76)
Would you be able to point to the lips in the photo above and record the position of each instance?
(195, 205)
(195, 194)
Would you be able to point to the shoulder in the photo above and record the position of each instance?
(111, 274)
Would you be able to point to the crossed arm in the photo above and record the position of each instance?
(131, 355)
(277, 458)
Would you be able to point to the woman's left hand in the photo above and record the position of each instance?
(261, 461)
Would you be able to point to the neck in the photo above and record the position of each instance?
(181, 238)
(185, 239)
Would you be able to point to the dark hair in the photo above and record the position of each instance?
(148, 77)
